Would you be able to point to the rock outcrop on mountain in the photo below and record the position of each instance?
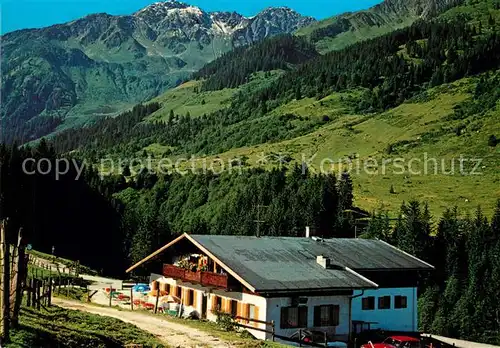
(102, 64)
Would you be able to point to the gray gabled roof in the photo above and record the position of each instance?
(272, 264)
(283, 263)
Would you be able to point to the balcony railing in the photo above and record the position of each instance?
(208, 279)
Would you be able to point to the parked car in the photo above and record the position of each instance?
(318, 337)
(395, 342)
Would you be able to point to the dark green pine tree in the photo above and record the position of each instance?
(298, 92)
(379, 227)
(126, 171)
(413, 230)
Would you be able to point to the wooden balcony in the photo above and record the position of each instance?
(208, 279)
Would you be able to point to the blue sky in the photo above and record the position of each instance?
(21, 14)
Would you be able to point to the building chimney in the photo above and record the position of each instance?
(323, 261)
(308, 232)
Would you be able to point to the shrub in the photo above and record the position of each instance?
(493, 141)
(225, 321)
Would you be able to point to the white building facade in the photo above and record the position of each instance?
(277, 286)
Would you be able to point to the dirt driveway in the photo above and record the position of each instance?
(173, 334)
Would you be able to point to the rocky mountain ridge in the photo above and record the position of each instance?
(101, 64)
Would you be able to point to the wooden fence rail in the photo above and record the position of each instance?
(273, 334)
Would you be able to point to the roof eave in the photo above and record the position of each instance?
(156, 253)
(295, 290)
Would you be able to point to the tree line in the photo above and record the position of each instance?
(460, 298)
(108, 222)
(393, 67)
(235, 67)
(157, 208)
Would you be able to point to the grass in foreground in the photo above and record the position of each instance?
(58, 327)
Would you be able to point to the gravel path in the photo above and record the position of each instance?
(173, 334)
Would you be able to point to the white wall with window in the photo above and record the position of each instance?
(393, 309)
(322, 313)
(206, 301)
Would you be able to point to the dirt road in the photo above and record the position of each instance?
(173, 334)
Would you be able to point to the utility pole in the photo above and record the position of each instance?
(259, 221)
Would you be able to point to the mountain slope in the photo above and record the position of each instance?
(102, 64)
(394, 96)
(345, 29)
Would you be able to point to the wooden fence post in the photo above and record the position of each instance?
(157, 299)
(28, 289)
(132, 298)
(38, 300)
(273, 328)
(5, 298)
(33, 293)
(49, 294)
(110, 294)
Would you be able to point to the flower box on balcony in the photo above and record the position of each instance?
(171, 271)
(214, 279)
(194, 277)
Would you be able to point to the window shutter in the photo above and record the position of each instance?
(336, 315)
(247, 311)
(303, 317)
(317, 316)
(256, 316)
(238, 312)
(214, 302)
(195, 298)
(284, 315)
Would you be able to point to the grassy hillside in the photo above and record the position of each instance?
(412, 130)
(383, 99)
(189, 97)
(57, 327)
(186, 99)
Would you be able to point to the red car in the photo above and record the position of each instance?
(395, 342)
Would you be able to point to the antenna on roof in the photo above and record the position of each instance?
(259, 221)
